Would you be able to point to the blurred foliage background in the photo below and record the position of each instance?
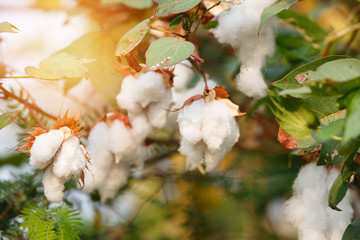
(242, 198)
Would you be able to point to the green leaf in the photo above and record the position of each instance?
(290, 82)
(273, 10)
(334, 129)
(7, 118)
(352, 232)
(296, 119)
(166, 7)
(338, 190)
(168, 51)
(341, 70)
(211, 24)
(329, 153)
(137, 4)
(7, 27)
(60, 66)
(304, 25)
(352, 123)
(175, 22)
(132, 38)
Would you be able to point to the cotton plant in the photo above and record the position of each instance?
(308, 208)
(208, 128)
(146, 96)
(113, 148)
(59, 152)
(238, 27)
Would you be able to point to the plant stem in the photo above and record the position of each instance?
(199, 69)
(201, 18)
(30, 106)
(166, 31)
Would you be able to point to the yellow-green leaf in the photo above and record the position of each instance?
(60, 66)
(168, 51)
(102, 74)
(7, 118)
(167, 7)
(132, 38)
(7, 27)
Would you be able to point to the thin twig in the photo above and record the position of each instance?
(202, 17)
(199, 69)
(34, 107)
(166, 31)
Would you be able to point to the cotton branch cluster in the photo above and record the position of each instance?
(146, 97)
(113, 148)
(208, 129)
(58, 151)
(308, 208)
(239, 28)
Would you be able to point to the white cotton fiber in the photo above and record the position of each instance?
(193, 152)
(183, 74)
(148, 95)
(126, 98)
(45, 147)
(239, 27)
(190, 120)
(117, 177)
(122, 142)
(157, 112)
(70, 160)
(251, 82)
(216, 124)
(150, 88)
(53, 186)
(140, 126)
(101, 157)
(308, 208)
(208, 132)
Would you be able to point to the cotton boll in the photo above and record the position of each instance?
(150, 88)
(141, 127)
(213, 158)
(157, 112)
(183, 75)
(250, 81)
(101, 157)
(45, 147)
(193, 153)
(53, 186)
(190, 120)
(122, 142)
(117, 177)
(126, 98)
(308, 208)
(70, 160)
(216, 126)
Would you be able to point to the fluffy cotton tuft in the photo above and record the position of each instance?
(208, 131)
(112, 146)
(53, 186)
(148, 95)
(45, 147)
(116, 178)
(63, 157)
(308, 208)
(251, 82)
(239, 28)
(70, 161)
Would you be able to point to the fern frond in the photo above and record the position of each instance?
(54, 223)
